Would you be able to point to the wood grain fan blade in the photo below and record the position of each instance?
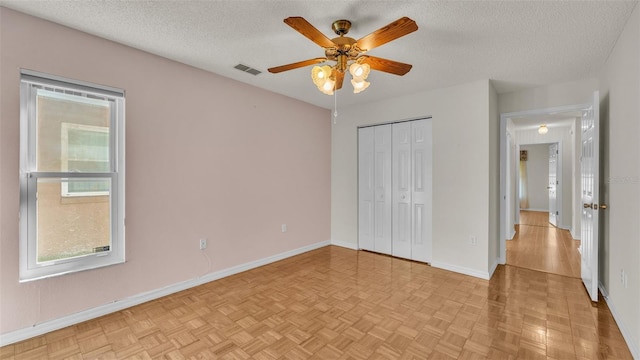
(305, 28)
(299, 64)
(388, 66)
(396, 29)
(339, 80)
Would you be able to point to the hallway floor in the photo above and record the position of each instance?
(541, 246)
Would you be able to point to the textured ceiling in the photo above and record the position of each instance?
(517, 44)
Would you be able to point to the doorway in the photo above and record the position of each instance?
(540, 181)
(530, 238)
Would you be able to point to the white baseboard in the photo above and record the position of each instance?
(633, 346)
(513, 233)
(573, 235)
(537, 210)
(494, 267)
(59, 323)
(345, 244)
(461, 270)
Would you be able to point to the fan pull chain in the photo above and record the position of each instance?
(335, 107)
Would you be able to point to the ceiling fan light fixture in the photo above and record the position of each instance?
(327, 86)
(348, 53)
(320, 74)
(359, 71)
(359, 86)
(543, 129)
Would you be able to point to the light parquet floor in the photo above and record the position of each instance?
(336, 303)
(540, 246)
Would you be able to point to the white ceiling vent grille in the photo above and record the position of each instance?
(247, 69)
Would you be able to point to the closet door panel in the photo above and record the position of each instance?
(401, 195)
(366, 189)
(421, 196)
(382, 188)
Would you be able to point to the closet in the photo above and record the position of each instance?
(394, 189)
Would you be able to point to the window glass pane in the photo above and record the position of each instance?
(71, 128)
(72, 226)
(85, 149)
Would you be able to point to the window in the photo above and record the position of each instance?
(72, 176)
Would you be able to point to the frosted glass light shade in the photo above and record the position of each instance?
(327, 87)
(320, 74)
(359, 86)
(543, 129)
(359, 71)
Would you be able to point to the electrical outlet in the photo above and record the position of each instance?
(473, 240)
(623, 275)
(284, 228)
(203, 244)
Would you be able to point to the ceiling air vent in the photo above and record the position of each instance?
(247, 69)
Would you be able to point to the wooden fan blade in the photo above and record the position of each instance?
(388, 66)
(296, 65)
(339, 80)
(305, 28)
(396, 29)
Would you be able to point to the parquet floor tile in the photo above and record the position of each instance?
(336, 303)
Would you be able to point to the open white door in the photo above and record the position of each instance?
(553, 183)
(590, 170)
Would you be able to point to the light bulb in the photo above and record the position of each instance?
(327, 87)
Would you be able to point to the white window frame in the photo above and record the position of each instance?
(30, 268)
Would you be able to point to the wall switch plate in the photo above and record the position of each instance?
(284, 228)
(473, 240)
(203, 244)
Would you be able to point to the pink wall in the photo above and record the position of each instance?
(206, 157)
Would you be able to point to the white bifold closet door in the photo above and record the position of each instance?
(374, 188)
(411, 195)
(394, 189)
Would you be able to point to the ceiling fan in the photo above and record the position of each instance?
(348, 53)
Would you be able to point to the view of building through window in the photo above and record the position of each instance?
(73, 213)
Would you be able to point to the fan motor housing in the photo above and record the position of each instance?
(341, 27)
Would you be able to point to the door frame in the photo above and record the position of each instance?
(559, 187)
(504, 196)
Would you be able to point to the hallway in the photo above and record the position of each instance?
(540, 246)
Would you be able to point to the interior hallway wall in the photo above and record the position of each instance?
(620, 189)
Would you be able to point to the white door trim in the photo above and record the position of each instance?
(504, 196)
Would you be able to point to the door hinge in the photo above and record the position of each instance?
(557, 213)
